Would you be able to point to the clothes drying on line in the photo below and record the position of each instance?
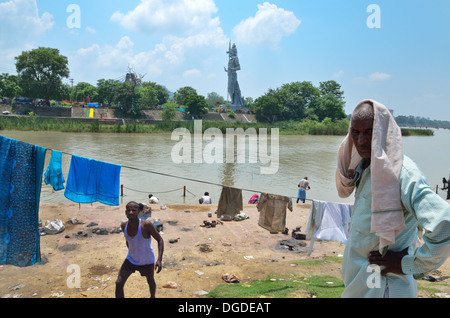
(328, 221)
(21, 169)
(53, 175)
(272, 211)
(90, 180)
(230, 203)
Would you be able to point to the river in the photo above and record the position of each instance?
(148, 165)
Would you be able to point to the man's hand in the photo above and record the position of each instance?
(392, 261)
(158, 266)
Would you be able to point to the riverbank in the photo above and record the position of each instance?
(195, 257)
(34, 123)
(114, 125)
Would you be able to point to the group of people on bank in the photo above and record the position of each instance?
(393, 207)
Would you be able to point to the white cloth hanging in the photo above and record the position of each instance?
(328, 221)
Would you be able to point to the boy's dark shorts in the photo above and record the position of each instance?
(145, 270)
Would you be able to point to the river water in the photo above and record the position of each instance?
(148, 165)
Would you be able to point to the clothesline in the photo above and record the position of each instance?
(160, 192)
(88, 181)
(181, 177)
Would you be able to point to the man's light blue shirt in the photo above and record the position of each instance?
(423, 209)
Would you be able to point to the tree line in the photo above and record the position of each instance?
(41, 73)
(421, 121)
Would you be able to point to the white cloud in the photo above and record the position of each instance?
(192, 47)
(174, 59)
(374, 77)
(21, 26)
(161, 17)
(107, 57)
(270, 24)
(338, 74)
(192, 73)
(91, 30)
(377, 76)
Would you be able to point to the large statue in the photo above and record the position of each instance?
(237, 102)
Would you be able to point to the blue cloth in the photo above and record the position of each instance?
(21, 168)
(91, 180)
(54, 175)
(301, 194)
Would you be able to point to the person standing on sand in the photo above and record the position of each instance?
(138, 234)
(303, 185)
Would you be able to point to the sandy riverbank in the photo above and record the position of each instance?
(195, 262)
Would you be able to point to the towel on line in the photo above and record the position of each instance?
(91, 180)
(54, 175)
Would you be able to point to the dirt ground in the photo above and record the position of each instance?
(195, 262)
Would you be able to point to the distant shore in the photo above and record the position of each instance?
(65, 124)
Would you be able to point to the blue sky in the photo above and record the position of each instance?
(400, 58)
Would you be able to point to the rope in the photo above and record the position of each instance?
(153, 191)
(179, 177)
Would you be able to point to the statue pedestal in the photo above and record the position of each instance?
(236, 107)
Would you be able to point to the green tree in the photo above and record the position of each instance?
(63, 92)
(181, 95)
(10, 86)
(331, 88)
(214, 99)
(169, 111)
(292, 100)
(124, 95)
(267, 107)
(300, 100)
(329, 106)
(107, 90)
(162, 94)
(83, 90)
(41, 71)
(248, 102)
(331, 102)
(196, 105)
(148, 96)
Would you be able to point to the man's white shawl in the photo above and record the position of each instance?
(385, 166)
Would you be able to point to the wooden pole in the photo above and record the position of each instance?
(121, 190)
(184, 191)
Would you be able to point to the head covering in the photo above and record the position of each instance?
(385, 165)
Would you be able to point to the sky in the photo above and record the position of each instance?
(396, 52)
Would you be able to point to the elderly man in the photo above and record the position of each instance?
(393, 205)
